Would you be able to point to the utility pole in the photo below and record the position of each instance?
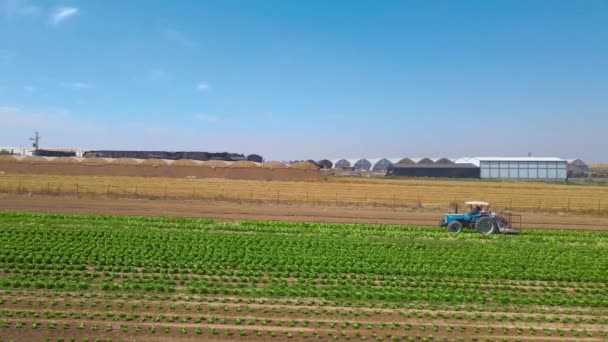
(36, 140)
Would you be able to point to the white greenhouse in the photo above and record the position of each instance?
(547, 168)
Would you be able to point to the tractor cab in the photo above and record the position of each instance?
(478, 208)
(480, 218)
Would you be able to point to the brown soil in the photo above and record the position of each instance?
(239, 211)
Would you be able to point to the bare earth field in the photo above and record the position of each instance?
(427, 194)
(239, 211)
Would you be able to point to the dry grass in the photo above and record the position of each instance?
(398, 193)
(598, 166)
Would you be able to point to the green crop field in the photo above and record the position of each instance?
(78, 277)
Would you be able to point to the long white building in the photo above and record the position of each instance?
(549, 168)
(29, 151)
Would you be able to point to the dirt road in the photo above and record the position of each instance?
(236, 211)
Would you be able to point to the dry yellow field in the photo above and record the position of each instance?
(398, 193)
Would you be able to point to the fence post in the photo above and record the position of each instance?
(77, 191)
(394, 200)
(336, 198)
(568, 204)
(599, 205)
(193, 193)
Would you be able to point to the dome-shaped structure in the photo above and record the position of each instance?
(362, 165)
(443, 161)
(303, 166)
(425, 161)
(126, 161)
(381, 166)
(325, 164)
(342, 164)
(243, 164)
(186, 162)
(406, 161)
(214, 163)
(312, 162)
(155, 162)
(65, 160)
(273, 165)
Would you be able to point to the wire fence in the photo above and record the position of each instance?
(318, 196)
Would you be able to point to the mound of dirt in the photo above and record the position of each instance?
(126, 161)
(214, 163)
(155, 162)
(274, 165)
(8, 159)
(186, 162)
(96, 161)
(243, 164)
(35, 159)
(303, 166)
(65, 160)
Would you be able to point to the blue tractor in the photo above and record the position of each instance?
(480, 218)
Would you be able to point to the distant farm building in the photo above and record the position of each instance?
(434, 170)
(541, 168)
(577, 168)
(255, 158)
(193, 155)
(325, 164)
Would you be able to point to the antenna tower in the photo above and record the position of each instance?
(36, 140)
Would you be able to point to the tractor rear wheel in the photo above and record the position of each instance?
(455, 227)
(486, 226)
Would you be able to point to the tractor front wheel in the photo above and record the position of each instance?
(486, 226)
(455, 227)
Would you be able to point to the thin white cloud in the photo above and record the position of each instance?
(6, 57)
(207, 117)
(202, 86)
(77, 85)
(62, 14)
(178, 37)
(159, 74)
(17, 117)
(20, 8)
(29, 89)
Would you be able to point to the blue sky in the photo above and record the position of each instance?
(308, 79)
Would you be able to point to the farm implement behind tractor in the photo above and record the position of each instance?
(482, 220)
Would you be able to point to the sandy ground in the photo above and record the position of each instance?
(239, 211)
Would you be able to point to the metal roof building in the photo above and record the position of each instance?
(462, 170)
(541, 168)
